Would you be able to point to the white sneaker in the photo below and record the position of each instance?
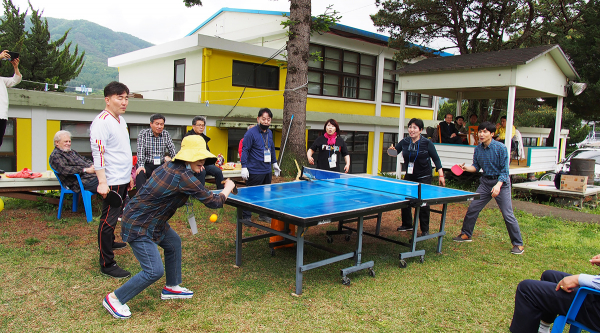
(176, 292)
(115, 308)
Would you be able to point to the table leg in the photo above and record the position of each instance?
(299, 258)
(238, 238)
(442, 226)
(358, 256)
(415, 228)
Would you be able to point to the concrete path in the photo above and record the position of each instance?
(544, 210)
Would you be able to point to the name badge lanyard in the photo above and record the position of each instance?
(267, 152)
(332, 159)
(155, 144)
(411, 165)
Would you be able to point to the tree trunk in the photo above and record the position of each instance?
(296, 90)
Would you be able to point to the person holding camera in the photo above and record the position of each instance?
(8, 82)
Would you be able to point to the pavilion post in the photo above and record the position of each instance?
(401, 130)
(459, 99)
(510, 114)
(558, 125)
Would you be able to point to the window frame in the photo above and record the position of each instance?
(178, 88)
(344, 76)
(396, 93)
(11, 155)
(257, 70)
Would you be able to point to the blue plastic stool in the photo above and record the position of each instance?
(561, 321)
(87, 197)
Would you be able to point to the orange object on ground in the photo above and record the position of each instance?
(25, 173)
(279, 225)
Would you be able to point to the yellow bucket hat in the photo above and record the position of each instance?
(193, 148)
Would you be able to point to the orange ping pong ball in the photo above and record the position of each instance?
(213, 218)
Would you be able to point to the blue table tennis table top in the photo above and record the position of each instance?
(308, 202)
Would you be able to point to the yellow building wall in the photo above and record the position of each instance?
(370, 153)
(218, 141)
(278, 143)
(52, 126)
(23, 143)
(344, 107)
(217, 71)
(394, 112)
(379, 158)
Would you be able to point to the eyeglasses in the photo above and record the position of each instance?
(199, 125)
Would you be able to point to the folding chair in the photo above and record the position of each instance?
(86, 195)
(473, 131)
(561, 321)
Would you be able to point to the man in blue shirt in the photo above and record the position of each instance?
(491, 156)
(537, 303)
(258, 154)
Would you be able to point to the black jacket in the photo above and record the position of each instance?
(192, 132)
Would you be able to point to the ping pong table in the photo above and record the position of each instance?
(325, 197)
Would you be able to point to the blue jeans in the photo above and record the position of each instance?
(146, 252)
(214, 171)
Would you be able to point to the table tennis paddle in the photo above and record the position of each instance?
(235, 190)
(392, 152)
(457, 170)
(114, 199)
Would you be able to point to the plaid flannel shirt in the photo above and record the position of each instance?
(67, 164)
(149, 146)
(149, 211)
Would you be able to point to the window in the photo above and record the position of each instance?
(233, 143)
(391, 94)
(176, 132)
(529, 142)
(80, 136)
(247, 74)
(388, 163)
(8, 158)
(342, 73)
(357, 143)
(179, 81)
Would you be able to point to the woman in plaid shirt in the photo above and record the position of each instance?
(145, 223)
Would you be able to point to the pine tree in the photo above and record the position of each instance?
(12, 34)
(42, 60)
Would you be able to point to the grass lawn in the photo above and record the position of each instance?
(50, 279)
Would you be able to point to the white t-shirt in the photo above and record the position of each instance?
(111, 148)
(7, 82)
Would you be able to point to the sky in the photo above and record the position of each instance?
(161, 21)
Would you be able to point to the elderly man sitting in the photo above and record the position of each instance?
(67, 162)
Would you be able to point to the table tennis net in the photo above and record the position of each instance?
(379, 184)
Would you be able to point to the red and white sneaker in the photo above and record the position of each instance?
(176, 292)
(115, 308)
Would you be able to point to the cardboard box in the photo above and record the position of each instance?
(573, 183)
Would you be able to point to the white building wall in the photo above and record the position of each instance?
(154, 78)
(235, 26)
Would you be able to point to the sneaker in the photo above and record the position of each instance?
(264, 219)
(403, 228)
(424, 233)
(244, 221)
(115, 308)
(517, 249)
(119, 245)
(176, 292)
(462, 238)
(115, 271)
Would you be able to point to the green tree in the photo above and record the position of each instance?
(42, 60)
(582, 45)
(12, 32)
(473, 27)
